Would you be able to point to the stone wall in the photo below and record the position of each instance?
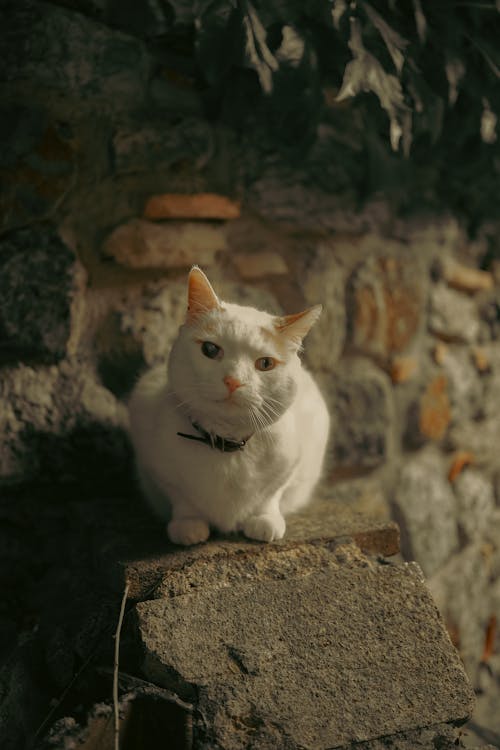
(115, 182)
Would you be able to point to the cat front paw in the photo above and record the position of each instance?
(265, 528)
(188, 531)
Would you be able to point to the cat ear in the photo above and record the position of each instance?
(201, 296)
(296, 327)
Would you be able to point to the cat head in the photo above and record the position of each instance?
(235, 369)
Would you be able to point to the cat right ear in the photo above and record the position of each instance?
(201, 296)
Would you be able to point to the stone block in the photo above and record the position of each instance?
(453, 316)
(251, 266)
(142, 554)
(462, 592)
(40, 281)
(55, 422)
(72, 59)
(146, 244)
(362, 413)
(466, 279)
(403, 369)
(475, 503)
(434, 412)
(425, 508)
(186, 206)
(343, 651)
(37, 164)
(154, 147)
(465, 384)
(322, 280)
(385, 300)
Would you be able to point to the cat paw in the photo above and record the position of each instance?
(188, 531)
(264, 528)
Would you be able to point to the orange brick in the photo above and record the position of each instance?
(197, 206)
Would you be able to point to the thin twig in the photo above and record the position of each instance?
(116, 666)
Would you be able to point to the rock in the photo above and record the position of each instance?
(264, 686)
(40, 281)
(259, 265)
(72, 59)
(140, 553)
(154, 147)
(403, 369)
(145, 244)
(37, 163)
(322, 280)
(184, 206)
(425, 507)
(55, 422)
(481, 438)
(465, 386)
(385, 299)
(460, 460)
(453, 316)
(466, 279)
(429, 417)
(461, 592)
(475, 503)
(362, 413)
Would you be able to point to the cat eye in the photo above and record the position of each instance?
(265, 363)
(211, 350)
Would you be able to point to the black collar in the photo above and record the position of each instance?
(226, 445)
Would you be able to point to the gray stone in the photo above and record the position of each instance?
(461, 590)
(362, 413)
(37, 161)
(39, 280)
(67, 55)
(322, 282)
(143, 555)
(56, 421)
(156, 146)
(265, 661)
(475, 503)
(481, 438)
(465, 385)
(425, 507)
(453, 316)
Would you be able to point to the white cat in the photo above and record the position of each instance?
(231, 435)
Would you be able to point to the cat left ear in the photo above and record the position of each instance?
(296, 327)
(201, 296)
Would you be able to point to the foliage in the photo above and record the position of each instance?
(411, 87)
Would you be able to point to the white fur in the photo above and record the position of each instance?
(196, 487)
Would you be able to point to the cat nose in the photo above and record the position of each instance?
(231, 383)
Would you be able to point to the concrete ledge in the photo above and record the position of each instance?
(141, 553)
(344, 650)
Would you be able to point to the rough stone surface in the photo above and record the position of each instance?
(142, 554)
(466, 279)
(434, 412)
(452, 315)
(361, 408)
(139, 148)
(475, 503)
(54, 421)
(387, 666)
(460, 590)
(39, 279)
(259, 265)
(197, 206)
(466, 387)
(385, 299)
(65, 54)
(322, 281)
(37, 164)
(145, 244)
(426, 509)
